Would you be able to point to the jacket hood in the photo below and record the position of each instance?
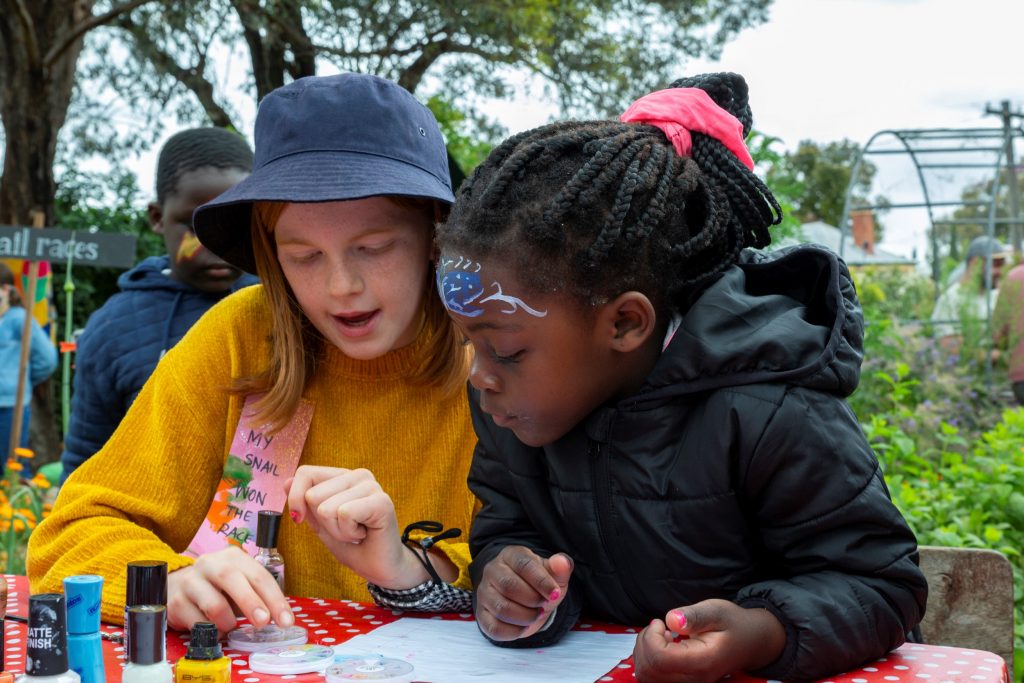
(789, 316)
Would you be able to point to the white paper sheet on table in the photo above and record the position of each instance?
(445, 651)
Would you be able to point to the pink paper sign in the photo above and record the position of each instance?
(257, 467)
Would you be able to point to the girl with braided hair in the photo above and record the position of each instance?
(663, 436)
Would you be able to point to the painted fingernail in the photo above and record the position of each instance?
(296, 517)
(260, 615)
(554, 595)
(542, 611)
(681, 617)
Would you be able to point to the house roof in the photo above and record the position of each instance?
(819, 232)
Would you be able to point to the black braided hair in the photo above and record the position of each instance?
(197, 148)
(596, 208)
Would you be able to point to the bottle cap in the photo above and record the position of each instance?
(83, 594)
(147, 583)
(147, 625)
(46, 652)
(268, 523)
(204, 642)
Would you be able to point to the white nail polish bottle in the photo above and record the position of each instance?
(147, 649)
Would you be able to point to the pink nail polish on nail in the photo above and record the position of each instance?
(554, 595)
(682, 619)
(295, 517)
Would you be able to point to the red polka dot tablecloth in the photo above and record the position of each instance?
(330, 622)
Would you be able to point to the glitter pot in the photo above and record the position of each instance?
(381, 669)
(294, 659)
(251, 639)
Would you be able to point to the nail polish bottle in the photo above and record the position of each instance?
(147, 649)
(85, 654)
(46, 652)
(268, 524)
(5, 676)
(204, 662)
(146, 585)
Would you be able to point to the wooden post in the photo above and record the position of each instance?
(29, 302)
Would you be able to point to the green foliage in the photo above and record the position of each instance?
(887, 292)
(956, 237)
(592, 56)
(469, 137)
(952, 451)
(786, 190)
(23, 504)
(104, 202)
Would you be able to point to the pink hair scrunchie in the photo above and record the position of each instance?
(680, 111)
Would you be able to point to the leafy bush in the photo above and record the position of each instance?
(951, 447)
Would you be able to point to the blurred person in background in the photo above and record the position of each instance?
(42, 361)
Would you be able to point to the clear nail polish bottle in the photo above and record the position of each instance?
(268, 524)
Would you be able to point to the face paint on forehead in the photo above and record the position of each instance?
(189, 247)
(461, 289)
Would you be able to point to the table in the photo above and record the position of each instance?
(330, 622)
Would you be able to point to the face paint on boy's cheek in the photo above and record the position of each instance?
(462, 291)
(189, 247)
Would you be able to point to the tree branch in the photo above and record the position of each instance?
(191, 78)
(31, 45)
(81, 29)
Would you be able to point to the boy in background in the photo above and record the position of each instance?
(160, 298)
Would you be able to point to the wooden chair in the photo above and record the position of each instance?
(970, 600)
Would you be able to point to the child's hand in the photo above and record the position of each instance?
(723, 638)
(355, 519)
(221, 584)
(518, 592)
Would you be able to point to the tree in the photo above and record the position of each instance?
(816, 176)
(597, 55)
(39, 47)
(977, 198)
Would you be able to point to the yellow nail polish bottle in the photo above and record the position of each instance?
(203, 661)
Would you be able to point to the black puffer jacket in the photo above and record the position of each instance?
(737, 472)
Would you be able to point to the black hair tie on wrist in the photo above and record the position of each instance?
(419, 548)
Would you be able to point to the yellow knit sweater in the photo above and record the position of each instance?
(143, 496)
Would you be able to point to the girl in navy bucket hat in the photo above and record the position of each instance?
(344, 354)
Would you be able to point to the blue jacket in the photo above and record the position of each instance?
(42, 357)
(121, 345)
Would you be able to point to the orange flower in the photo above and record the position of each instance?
(14, 466)
(40, 481)
(24, 453)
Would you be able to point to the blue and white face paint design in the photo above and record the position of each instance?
(462, 290)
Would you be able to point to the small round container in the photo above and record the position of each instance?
(251, 639)
(294, 659)
(378, 669)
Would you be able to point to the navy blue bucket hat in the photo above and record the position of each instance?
(329, 138)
